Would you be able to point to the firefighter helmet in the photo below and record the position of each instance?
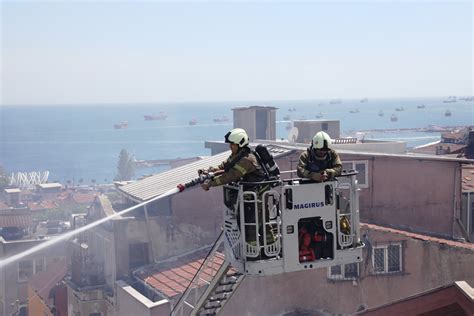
(321, 141)
(237, 136)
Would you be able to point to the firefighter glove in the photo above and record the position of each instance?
(206, 185)
(316, 176)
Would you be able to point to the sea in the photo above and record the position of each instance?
(78, 143)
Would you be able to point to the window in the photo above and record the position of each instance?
(25, 270)
(39, 265)
(387, 259)
(361, 166)
(348, 271)
(138, 255)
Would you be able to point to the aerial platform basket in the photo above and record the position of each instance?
(296, 225)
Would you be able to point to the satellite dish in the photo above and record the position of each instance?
(293, 135)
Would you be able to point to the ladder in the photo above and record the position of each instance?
(211, 286)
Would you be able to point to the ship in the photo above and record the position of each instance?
(380, 113)
(364, 100)
(399, 109)
(447, 113)
(193, 121)
(450, 99)
(286, 118)
(319, 115)
(421, 106)
(161, 116)
(354, 111)
(335, 101)
(121, 125)
(221, 119)
(393, 118)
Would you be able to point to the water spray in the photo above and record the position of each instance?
(55, 240)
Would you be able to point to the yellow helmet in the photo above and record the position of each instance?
(237, 136)
(321, 140)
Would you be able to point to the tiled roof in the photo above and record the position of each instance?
(4, 206)
(44, 281)
(83, 198)
(22, 221)
(43, 205)
(451, 243)
(155, 185)
(467, 179)
(171, 278)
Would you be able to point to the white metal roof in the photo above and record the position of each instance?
(14, 190)
(50, 185)
(148, 188)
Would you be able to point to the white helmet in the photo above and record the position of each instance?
(321, 140)
(237, 136)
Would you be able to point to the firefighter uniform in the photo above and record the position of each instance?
(311, 166)
(243, 166)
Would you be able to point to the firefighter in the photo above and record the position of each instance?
(319, 162)
(242, 165)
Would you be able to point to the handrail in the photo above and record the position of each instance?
(210, 254)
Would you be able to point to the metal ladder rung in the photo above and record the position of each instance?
(205, 281)
(188, 304)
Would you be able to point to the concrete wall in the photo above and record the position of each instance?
(307, 129)
(131, 302)
(375, 147)
(11, 289)
(415, 194)
(246, 118)
(426, 265)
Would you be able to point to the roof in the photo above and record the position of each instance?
(241, 108)
(448, 242)
(158, 184)
(4, 206)
(438, 301)
(14, 190)
(43, 205)
(44, 281)
(171, 278)
(22, 221)
(50, 185)
(467, 179)
(431, 148)
(83, 198)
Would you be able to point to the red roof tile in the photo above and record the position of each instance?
(43, 205)
(172, 278)
(22, 221)
(451, 243)
(83, 198)
(4, 206)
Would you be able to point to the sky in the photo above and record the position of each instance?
(88, 52)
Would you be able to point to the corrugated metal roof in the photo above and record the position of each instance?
(158, 184)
